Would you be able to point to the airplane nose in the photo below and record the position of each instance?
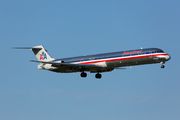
(168, 57)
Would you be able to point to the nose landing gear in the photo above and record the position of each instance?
(162, 66)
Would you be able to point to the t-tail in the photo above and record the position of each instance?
(39, 51)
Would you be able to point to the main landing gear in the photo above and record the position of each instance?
(83, 74)
(98, 76)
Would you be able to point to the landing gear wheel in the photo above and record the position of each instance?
(162, 66)
(83, 74)
(98, 76)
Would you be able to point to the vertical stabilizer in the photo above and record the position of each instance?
(41, 53)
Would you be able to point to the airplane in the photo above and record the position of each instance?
(98, 63)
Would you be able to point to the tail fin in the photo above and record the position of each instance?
(41, 53)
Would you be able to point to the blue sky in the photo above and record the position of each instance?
(83, 27)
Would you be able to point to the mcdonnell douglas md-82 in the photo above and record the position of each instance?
(98, 63)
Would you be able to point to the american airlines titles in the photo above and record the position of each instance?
(132, 52)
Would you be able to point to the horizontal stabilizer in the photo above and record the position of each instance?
(21, 48)
(27, 48)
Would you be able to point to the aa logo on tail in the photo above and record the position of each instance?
(43, 56)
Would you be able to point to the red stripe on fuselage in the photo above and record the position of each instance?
(124, 58)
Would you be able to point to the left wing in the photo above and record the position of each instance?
(58, 64)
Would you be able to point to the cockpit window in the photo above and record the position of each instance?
(159, 51)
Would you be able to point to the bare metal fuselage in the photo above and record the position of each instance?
(109, 61)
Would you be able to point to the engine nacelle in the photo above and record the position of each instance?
(46, 67)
